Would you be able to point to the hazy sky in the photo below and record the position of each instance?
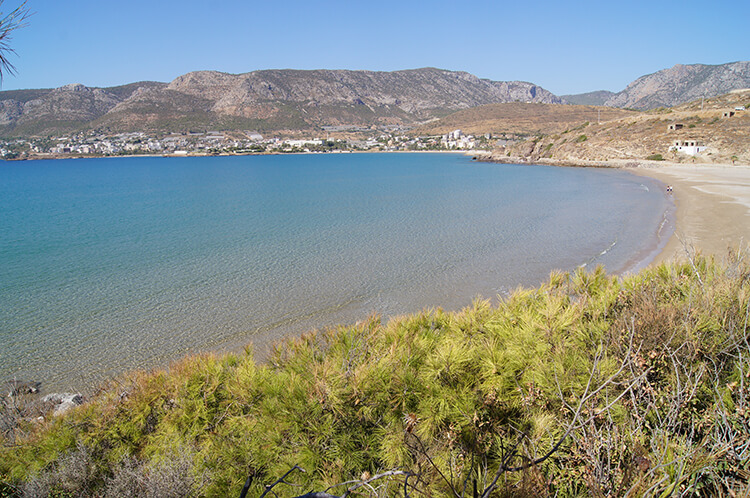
(566, 47)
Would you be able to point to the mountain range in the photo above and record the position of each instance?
(295, 101)
(270, 100)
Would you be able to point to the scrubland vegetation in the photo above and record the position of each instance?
(590, 385)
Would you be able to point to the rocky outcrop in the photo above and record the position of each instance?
(63, 402)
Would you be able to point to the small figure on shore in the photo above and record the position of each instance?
(669, 188)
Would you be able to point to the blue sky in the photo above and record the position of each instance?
(566, 47)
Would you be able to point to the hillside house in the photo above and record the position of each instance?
(727, 114)
(675, 126)
(689, 147)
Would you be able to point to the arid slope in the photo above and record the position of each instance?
(520, 119)
(647, 135)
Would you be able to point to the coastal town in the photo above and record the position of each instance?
(225, 143)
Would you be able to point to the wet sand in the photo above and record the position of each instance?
(712, 208)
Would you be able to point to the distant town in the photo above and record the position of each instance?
(229, 143)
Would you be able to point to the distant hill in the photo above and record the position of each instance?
(60, 110)
(270, 100)
(682, 83)
(670, 87)
(519, 119)
(590, 98)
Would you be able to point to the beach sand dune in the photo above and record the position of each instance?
(713, 208)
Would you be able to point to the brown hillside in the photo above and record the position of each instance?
(518, 118)
(647, 135)
(266, 101)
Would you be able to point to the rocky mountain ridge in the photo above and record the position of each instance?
(672, 86)
(413, 91)
(269, 100)
(289, 102)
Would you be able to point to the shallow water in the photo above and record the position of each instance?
(107, 265)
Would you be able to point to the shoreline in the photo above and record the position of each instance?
(712, 203)
(712, 208)
(53, 157)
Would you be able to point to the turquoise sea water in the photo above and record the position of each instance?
(107, 265)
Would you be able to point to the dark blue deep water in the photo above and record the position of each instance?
(109, 265)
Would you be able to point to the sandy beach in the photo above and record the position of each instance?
(712, 208)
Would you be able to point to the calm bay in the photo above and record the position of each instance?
(114, 264)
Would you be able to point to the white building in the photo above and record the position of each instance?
(457, 140)
(689, 147)
(155, 145)
(302, 143)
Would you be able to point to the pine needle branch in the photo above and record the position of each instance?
(11, 22)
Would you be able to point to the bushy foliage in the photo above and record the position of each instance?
(588, 385)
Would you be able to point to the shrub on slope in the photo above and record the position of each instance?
(589, 384)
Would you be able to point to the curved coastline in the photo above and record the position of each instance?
(712, 204)
(267, 337)
(713, 208)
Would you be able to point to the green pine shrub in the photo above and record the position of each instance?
(587, 385)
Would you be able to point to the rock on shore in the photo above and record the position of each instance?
(63, 402)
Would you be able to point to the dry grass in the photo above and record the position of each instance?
(520, 119)
(640, 135)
